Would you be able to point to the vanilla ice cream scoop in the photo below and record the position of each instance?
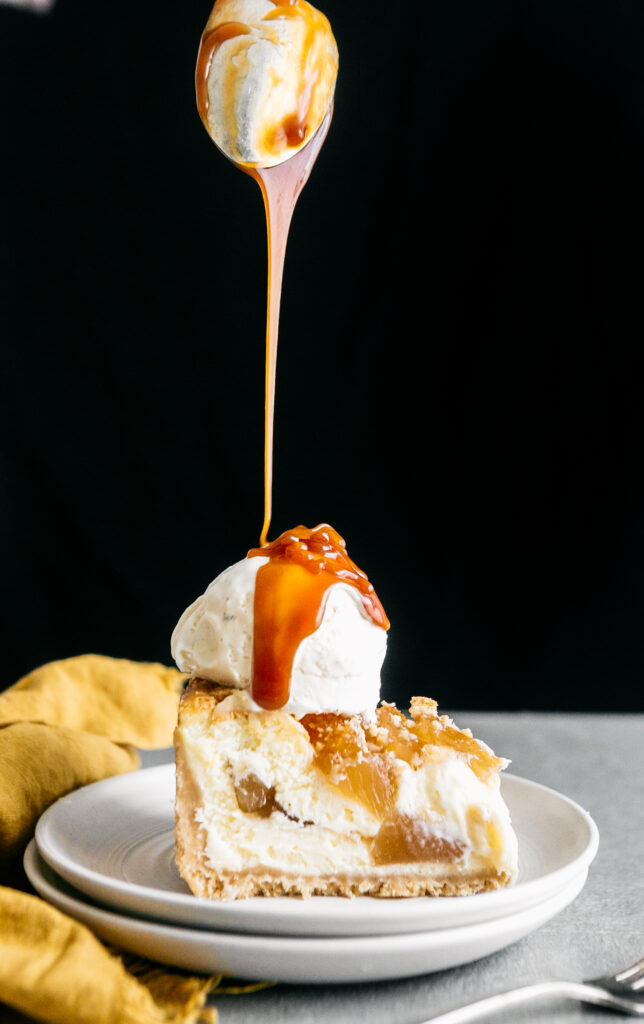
(265, 78)
(335, 668)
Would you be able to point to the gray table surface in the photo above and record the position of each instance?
(597, 760)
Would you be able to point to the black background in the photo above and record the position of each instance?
(460, 373)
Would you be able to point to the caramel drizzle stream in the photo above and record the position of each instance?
(281, 187)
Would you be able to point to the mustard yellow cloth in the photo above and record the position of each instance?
(73, 722)
(64, 725)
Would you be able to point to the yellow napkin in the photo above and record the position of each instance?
(54, 969)
(73, 722)
(67, 724)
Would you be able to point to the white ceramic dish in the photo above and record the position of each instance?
(113, 842)
(294, 959)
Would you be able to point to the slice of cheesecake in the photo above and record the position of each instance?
(331, 804)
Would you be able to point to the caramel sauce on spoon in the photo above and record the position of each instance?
(211, 40)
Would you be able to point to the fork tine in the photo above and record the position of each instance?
(632, 973)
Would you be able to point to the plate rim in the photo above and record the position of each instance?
(150, 900)
(290, 943)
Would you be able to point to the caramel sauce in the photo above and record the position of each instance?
(211, 40)
(290, 598)
(281, 187)
(296, 126)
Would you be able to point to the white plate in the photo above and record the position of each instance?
(113, 841)
(294, 959)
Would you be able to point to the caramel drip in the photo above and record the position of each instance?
(281, 187)
(295, 128)
(210, 42)
(281, 184)
(290, 597)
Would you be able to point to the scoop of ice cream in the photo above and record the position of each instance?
(265, 77)
(336, 668)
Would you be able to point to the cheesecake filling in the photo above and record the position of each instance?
(277, 793)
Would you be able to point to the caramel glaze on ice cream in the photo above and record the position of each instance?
(290, 596)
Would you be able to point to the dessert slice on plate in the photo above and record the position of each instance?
(334, 804)
(290, 779)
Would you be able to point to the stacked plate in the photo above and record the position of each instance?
(105, 856)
